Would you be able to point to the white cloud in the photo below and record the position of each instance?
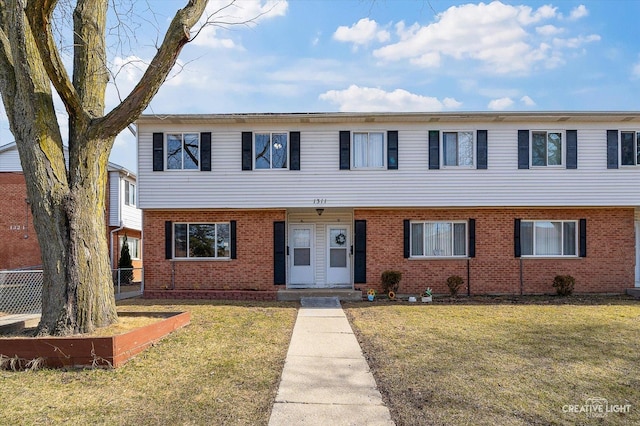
(367, 99)
(361, 33)
(548, 30)
(221, 14)
(500, 104)
(505, 38)
(578, 12)
(527, 101)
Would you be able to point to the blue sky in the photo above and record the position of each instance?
(389, 55)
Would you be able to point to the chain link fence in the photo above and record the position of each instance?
(127, 282)
(20, 292)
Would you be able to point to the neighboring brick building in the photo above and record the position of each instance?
(18, 242)
(246, 205)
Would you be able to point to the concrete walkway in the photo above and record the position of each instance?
(326, 380)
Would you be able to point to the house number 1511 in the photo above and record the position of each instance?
(319, 201)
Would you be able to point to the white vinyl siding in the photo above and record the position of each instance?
(10, 160)
(413, 184)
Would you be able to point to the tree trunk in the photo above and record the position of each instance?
(68, 205)
(80, 298)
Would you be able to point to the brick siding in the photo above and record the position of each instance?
(608, 268)
(16, 223)
(251, 272)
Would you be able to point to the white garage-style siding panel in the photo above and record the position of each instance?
(412, 185)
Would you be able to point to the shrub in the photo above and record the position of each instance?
(454, 283)
(391, 281)
(564, 284)
(126, 275)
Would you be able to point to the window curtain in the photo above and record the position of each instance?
(548, 238)
(368, 149)
(438, 239)
(360, 149)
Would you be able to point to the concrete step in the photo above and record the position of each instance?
(635, 292)
(294, 295)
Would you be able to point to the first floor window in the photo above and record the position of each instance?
(548, 238)
(207, 240)
(134, 246)
(546, 148)
(368, 150)
(271, 150)
(629, 148)
(457, 148)
(438, 239)
(183, 151)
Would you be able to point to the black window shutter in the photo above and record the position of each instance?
(481, 149)
(360, 252)
(523, 149)
(572, 149)
(205, 151)
(472, 238)
(232, 232)
(168, 239)
(612, 149)
(294, 151)
(279, 254)
(158, 152)
(407, 238)
(582, 238)
(392, 150)
(345, 150)
(434, 149)
(516, 238)
(247, 151)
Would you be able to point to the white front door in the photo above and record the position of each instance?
(338, 255)
(301, 254)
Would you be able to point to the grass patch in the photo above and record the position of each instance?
(502, 363)
(223, 368)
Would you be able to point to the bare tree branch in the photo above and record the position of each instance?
(39, 12)
(176, 37)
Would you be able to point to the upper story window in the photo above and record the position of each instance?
(129, 193)
(546, 148)
(202, 240)
(134, 247)
(438, 239)
(549, 238)
(183, 151)
(270, 150)
(629, 148)
(368, 150)
(457, 149)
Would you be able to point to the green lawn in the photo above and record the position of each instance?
(223, 368)
(502, 363)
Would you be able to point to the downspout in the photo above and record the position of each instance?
(468, 278)
(111, 241)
